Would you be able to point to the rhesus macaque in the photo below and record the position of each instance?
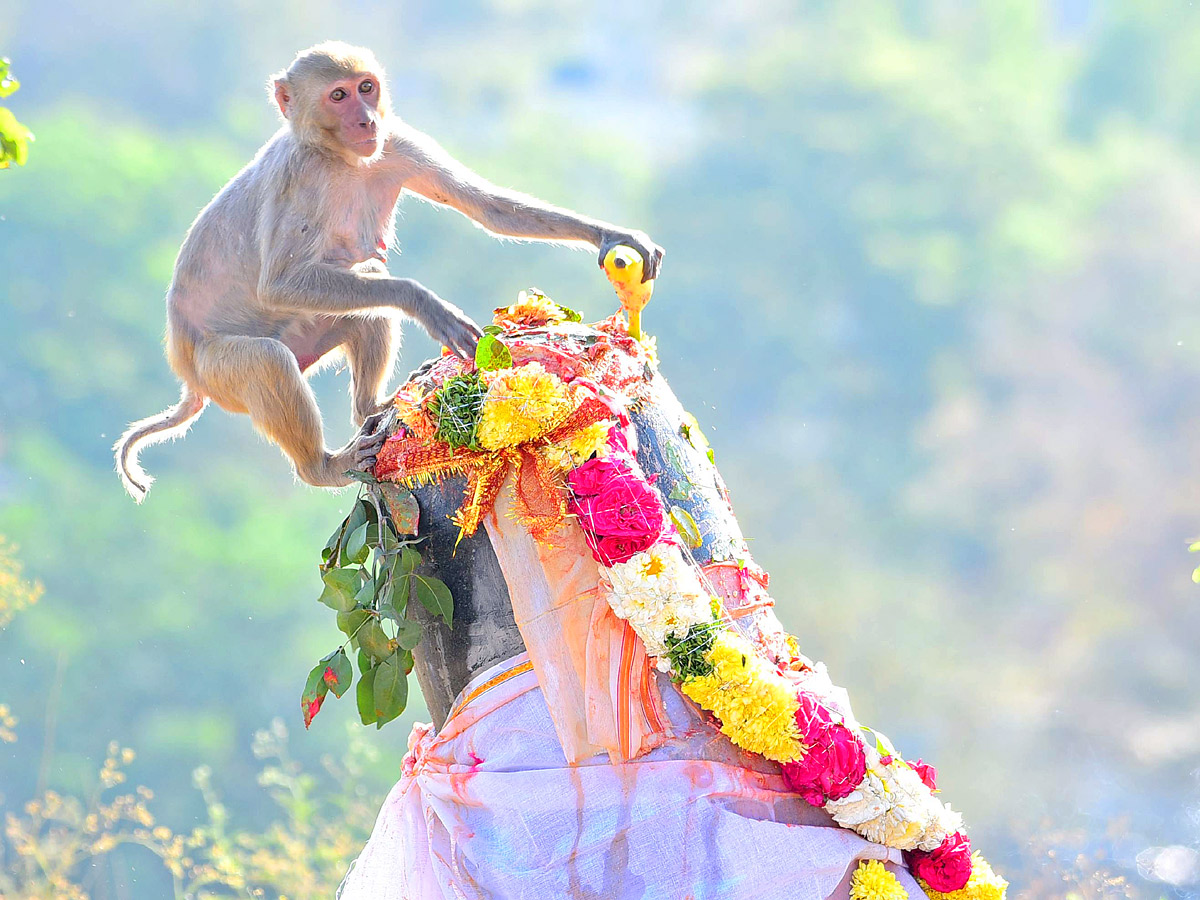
(286, 265)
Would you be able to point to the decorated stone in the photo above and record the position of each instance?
(546, 539)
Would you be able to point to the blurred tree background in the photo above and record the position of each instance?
(931, 287)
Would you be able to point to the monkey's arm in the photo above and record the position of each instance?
(434, 174)
(323, 288)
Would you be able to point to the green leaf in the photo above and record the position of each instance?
(361, 477)
(357, 549)
(1194, 547)
(366, 594)
(493, 329)
(572, 315)
(365, 663)
(315, 686)
(408, 633)
(407, 562)
(1196, 575)
(491, 353)
(348, 623)
(334, 544)
(686, 526)
(402, 506)
(681, 490)
(435, 597)
(340, 587)
(390, 689)
(365, 696)
(338, 673)
(315, 690)
(373, 639)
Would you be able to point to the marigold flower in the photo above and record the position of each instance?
(872, 881)
(532, 308)
(522, 404)
(984, 884)
(755, 704)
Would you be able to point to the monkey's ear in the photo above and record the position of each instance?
(283, 97)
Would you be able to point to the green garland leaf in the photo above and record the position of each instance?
(457, 407)
(686, 526)
(689, 655)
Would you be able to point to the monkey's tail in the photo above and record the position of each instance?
(167, 425)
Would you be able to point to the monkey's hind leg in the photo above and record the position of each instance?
(261, 377)
(370, 345)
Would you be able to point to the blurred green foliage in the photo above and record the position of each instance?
(930, 288)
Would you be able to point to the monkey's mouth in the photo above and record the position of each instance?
(367, 146)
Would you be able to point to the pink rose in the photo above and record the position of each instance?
(589, 479)
(926, 772)
(948, 867)
(625, 507)
(608, 551)
(835, 763)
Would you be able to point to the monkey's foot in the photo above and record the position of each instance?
(368, 443)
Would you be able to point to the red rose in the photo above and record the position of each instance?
(835, 763)
(926, 772)
(948, 867)
(589, 479)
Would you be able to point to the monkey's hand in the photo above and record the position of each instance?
(368, 443)
(651, 253)
(449, 326)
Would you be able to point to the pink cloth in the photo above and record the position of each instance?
(490, 808)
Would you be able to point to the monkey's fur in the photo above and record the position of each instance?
(286, 265)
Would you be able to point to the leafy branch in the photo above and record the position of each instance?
(368, 568)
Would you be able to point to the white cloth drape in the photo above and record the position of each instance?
(490, 808)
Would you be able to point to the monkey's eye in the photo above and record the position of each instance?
(366, 87)
(338, 95)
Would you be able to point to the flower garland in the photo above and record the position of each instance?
(575, 435)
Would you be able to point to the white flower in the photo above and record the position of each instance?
(894, 808)
(659, 594)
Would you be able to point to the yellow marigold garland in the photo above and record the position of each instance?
(872, 881)
(522, 404)
(984, 884)
(756, 706)
(581, 446)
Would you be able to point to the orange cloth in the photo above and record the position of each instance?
(591, 668)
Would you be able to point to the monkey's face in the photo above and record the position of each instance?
(350, 111)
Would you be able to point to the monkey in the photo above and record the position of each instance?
(286, 267)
